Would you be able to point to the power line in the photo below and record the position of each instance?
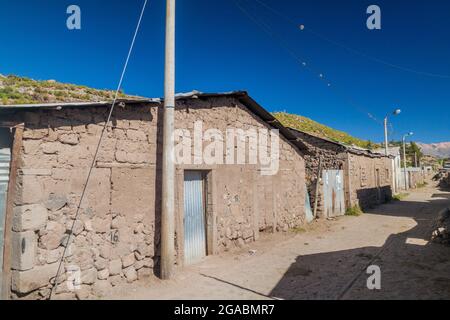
(392, 130)
(119, 86)
(302, 62)
(352, 50)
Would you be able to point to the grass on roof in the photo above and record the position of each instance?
(314, 128)
(22, 90)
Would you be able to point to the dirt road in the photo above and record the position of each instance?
(326, 261)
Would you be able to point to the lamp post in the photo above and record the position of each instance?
(396, 112)
(404, 157)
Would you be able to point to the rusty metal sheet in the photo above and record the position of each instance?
(333, 193)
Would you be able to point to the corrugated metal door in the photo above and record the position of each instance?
(5, 157)
(194, 217)
(333, 193)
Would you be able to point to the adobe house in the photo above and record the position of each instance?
(370, 177)
(45, 154)
(327, 154)
(349, 176)
(414, 177)
(397, 171)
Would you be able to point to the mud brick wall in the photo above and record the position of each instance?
(246, 202)
(333, 158)
(416, 178)
(117, 235)
(365, 191)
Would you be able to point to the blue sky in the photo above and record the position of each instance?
(221, 49)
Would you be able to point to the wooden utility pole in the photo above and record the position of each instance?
(168, 168)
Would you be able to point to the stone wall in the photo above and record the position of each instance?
(333, 158)
(370, 180)
(116, 236)
(416, 178)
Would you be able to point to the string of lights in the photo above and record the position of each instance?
(302, 27)
(303, 62)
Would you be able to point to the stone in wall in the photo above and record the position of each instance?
(29, 217)
(51, 238)
(116, 236)
(30, 280)
(23, 250)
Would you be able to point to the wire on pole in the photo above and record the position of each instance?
(94, 160)
(306, 65)
(302, 27)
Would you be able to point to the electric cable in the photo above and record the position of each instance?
(302, 62)
(352, 50)
(67, 244)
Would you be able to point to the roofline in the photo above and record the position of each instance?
(368, 153)
(59, 105)
(393, 151)
(320, 138)
(241, 96)
(347, 148)
(255, 108)
(56, 105)
(267, 117)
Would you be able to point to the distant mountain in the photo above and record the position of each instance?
(440, 150)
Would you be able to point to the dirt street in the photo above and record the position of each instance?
(327, 260)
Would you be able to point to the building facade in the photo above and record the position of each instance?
(344, 176)
(322, 155)
(116, 235)
(397, 172)
(370, 178)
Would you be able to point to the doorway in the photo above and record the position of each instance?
(333, 193)
(195, 245)
(5, 159)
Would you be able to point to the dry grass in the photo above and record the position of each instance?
(21, 90)
(312, 127)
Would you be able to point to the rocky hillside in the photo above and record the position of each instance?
(312, 127)
(20, 90)
(439, 150)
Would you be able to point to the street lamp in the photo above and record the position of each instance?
(396, 112)
(404, 157)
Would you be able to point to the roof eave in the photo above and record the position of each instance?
(60, 105)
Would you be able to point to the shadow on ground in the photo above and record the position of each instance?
(411, 266)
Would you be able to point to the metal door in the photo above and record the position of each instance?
(5, 157)
(333, 193)
(194, 217)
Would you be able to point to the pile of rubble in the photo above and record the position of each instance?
(441, 233)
